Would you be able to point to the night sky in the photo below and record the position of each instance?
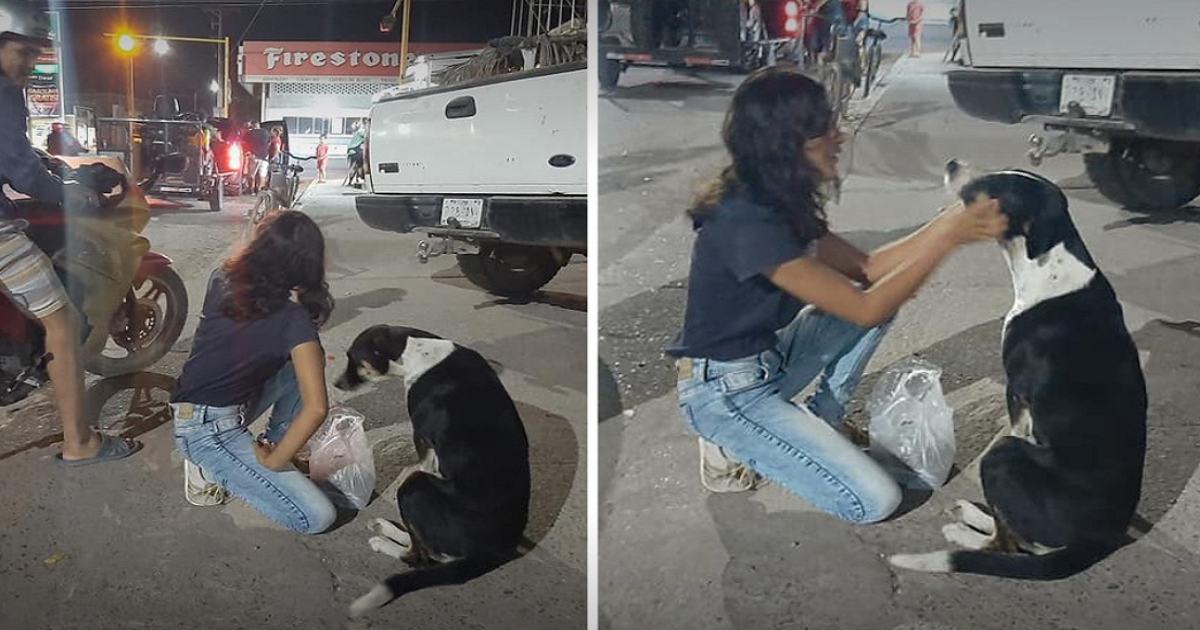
(191, 66)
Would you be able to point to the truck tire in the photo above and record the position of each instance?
(610, 73)
(509, 270)
(1145, 175)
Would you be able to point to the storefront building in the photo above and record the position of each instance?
(325, 87)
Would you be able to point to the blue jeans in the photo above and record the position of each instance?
(218, 440)
(745, 406)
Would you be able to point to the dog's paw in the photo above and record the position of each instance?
(386, 546)
(390, 531)
(971, 515)
(963, 536)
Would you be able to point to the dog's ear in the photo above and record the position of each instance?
(1049, 225)
(956, 175)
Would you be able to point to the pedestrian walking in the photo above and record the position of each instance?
(776, 299)
(322, 158)
(915, 14)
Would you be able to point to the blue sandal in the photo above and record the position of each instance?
(111, 448)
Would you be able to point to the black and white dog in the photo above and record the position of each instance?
(1063, 484)
(464, 506)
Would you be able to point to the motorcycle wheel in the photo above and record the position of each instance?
(145, 327)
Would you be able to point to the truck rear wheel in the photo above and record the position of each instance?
(509, 270)
(610, 73)
(1146, 175)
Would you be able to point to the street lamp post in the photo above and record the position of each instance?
(127, 42)
(389, 22)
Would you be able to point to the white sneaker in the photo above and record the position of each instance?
(721, 473)
(198, 490)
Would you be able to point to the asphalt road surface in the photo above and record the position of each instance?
(116, 545)
(674, 556)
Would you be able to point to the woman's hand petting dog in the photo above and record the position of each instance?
(980, 220)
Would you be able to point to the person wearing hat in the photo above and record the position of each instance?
(27, 277)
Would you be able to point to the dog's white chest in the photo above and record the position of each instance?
(1057, 272)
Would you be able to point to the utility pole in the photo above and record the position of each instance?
(216, 15)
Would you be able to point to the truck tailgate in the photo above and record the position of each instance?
(523, 133)
(1146, 34)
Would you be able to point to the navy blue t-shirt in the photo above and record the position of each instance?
(733, 308)
(232, 361)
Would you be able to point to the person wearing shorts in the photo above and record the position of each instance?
(27, 277)
(915, 14)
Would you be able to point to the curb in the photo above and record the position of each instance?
(303, 197)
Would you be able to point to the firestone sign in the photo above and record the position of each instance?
(268, 62)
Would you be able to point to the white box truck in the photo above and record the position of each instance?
(494, 170)
(1117, 82)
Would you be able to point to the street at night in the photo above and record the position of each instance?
(115, 544)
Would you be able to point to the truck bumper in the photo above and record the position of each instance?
(1149, 104)
(541, 221)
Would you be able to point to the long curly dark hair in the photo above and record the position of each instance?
(773, 113)
(287, 252)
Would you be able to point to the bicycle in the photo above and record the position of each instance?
(279, 194)
(872, 40)
(841, 71)
(835, 64)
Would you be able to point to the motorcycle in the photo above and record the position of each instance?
(133, 303)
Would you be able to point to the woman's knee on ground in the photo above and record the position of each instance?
(314, 518)
(883, 501)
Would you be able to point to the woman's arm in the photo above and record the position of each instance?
(836, 252)
(309, 361)
(816, 282)
(884, 260)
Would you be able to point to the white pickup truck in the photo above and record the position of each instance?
(1118, 82)
(494, 170)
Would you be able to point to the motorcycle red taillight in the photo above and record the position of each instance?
(791, 11)
(234, 155)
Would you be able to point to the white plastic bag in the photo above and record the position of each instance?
(911, 426)
(340, 461)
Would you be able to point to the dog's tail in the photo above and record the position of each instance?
(452, 572)
(1055, 565)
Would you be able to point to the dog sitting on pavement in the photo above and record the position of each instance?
(464, 506)
(1063, 484)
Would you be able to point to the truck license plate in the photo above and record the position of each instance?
(1093, 92)
(467, 212)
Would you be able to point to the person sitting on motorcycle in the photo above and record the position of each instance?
(61, 142)
(27, 276)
